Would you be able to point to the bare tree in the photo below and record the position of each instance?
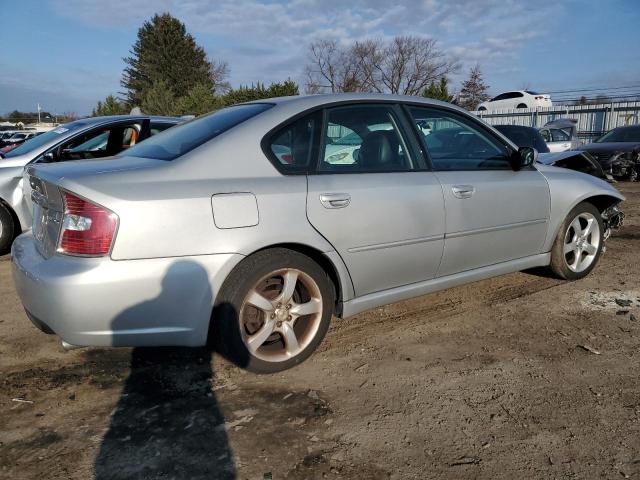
(333, 68)
(404, 65)
(219, 72)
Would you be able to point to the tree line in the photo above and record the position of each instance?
(168, 73)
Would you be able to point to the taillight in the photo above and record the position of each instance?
(539, 98)
(87, 229)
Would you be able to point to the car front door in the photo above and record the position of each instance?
(373, 199)
(493, 213)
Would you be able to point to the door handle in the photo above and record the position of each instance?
(463, 191)
(335, 200)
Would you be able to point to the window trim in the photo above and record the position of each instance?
(266, 139)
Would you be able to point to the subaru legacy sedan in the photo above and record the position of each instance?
(244, 228)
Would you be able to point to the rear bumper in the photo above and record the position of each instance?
(101, 302)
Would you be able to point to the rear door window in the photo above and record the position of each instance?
(293, 148)
(364, 138)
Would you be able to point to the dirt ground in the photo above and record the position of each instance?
(516, 377)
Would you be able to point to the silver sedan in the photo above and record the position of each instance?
(245, 228)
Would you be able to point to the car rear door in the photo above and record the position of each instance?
(374, 200)
(493, 214)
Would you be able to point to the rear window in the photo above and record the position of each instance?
(175, 142)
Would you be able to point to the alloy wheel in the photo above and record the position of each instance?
(581, 242)
(281, 315)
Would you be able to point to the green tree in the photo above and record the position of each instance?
(259, 92)
(438, 91)
(110, 106)
(474, 90)
(159, 100)
(165, 52)
(198, 101)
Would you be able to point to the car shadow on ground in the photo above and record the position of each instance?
(167, 423)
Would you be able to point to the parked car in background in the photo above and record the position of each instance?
(618, 151)
(561, 135)
(17, 138)
(516, 99)
(96, 137)
(6, 135)
(530, 137)
(524, 136)
(205, 232)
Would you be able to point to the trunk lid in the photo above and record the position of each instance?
(43, 184)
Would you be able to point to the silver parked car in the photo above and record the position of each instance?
(242, 227)
(95, 137)
(561, 135)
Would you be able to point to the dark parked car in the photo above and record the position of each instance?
(531, 137)
(524, 136)
(618, 152)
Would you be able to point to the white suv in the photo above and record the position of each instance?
(516, 99)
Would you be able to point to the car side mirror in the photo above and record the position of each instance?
(523, 157)
(48, 157)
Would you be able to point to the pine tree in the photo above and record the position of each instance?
(110, 106)
(474, 90)
(159, 100)
(438, 91)
(165, 52)
(259, 92)
(198, 101)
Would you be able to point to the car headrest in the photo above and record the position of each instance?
(379, 149)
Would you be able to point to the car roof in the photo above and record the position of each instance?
(627, 127)
(115, 118)
(561, 123)
(515, 126)
(304, 102)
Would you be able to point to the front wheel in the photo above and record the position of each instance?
(579, 243)
(273, 310)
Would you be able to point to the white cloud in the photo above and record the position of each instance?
(260, 37)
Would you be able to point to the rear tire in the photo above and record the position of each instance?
(273, 311)
(7, 230)
(521, 105)
(578, 245)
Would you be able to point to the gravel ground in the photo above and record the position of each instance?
(521, 376)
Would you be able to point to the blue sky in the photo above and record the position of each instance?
(67, 54)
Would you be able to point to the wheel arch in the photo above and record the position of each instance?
(601, 201)
(337, 272)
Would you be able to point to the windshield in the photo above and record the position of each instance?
(625, 134)
(43, 139)
(175, 142)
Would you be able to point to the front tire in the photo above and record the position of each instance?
(579, 243)
(273, 311)
(7, 230)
